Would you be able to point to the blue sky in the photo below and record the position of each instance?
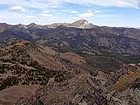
(120, 13)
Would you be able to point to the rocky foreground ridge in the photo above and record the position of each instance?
(34, 74)
(89, 90)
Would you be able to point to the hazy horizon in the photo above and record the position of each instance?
(72, 22)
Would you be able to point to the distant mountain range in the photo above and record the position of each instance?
(77, 35)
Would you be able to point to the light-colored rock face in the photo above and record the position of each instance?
(2, 29)
(84, 24)
(83, 103)
(80, 23)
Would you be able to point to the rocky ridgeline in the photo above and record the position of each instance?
(95, 94)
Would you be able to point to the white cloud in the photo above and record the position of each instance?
(74, 12)
(47, 15)
(42, 4)
(38, 4)
(97, 11)
(46, 11)
(18, 8)
(85, 15)
(108, 3)
(17, 14)
(31, 17)
(69, 11)
(107, 16)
